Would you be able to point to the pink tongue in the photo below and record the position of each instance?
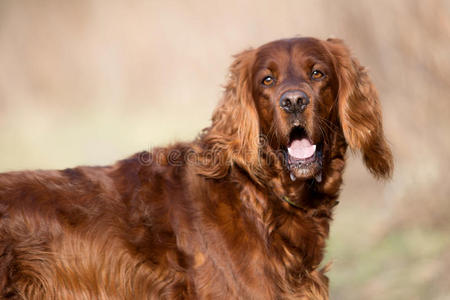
(301, 149)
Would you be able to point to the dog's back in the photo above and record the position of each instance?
(79, 233)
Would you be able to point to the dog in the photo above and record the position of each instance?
(241, 212)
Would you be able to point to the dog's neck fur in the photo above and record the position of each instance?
(287, 233)
(291, 228)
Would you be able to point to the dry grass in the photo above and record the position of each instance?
(88, 82)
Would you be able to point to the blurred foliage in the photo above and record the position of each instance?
(89, 82)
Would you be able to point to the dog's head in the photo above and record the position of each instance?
(309, 99)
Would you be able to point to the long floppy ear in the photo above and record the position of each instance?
(235, 126)
(360, 111)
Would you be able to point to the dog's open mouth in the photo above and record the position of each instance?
(303, 158)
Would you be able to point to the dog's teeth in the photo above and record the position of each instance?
(319, 177)
(293, 177)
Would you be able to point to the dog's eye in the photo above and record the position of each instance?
(268, 80)
(317, 74)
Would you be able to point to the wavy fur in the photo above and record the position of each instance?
(206, 219)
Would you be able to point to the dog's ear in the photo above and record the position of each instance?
(235, 122)
(236, 115)
(360, 111)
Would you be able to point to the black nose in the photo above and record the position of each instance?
(294, 101)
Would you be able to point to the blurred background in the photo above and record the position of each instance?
(90, 82)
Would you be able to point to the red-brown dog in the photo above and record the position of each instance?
(242, 212)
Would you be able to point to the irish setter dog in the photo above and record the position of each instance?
(241, 212)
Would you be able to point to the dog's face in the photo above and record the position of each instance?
(309, 99)
(295, 90)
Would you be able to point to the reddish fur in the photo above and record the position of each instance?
(195, 225)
